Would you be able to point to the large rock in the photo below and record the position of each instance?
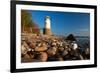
(52, 51)
(65, 52)
(60, 58)
(23, 49)
(32, 45)
(41, 48)
(43, 56)
(71, 37)
(25, 44)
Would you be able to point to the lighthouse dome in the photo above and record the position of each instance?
(47, 17)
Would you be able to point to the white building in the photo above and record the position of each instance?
(47, 28)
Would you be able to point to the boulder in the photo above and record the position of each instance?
(43, 57)
(23, 49)
(61, 49)
(60, 59)
(32, 45)
(71, 37)
(65, 52)
(52, 51)
(41, 48)
(25, 44)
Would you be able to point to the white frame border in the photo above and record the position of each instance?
(20, 65)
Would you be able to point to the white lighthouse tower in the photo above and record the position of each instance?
(47, 29)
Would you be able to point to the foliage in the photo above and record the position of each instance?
(27, 24)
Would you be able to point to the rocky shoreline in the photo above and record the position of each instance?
(45, 48)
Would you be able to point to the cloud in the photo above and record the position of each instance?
(84, 30)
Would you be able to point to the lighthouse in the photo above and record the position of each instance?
(47, 28)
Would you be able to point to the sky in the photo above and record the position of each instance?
(63, 23)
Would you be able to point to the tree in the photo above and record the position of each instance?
(27, 24)
(25, 19)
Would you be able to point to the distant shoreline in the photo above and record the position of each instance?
(82, 36)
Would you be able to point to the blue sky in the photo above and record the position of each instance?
(64, 23)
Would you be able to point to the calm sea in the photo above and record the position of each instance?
(83, 41)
